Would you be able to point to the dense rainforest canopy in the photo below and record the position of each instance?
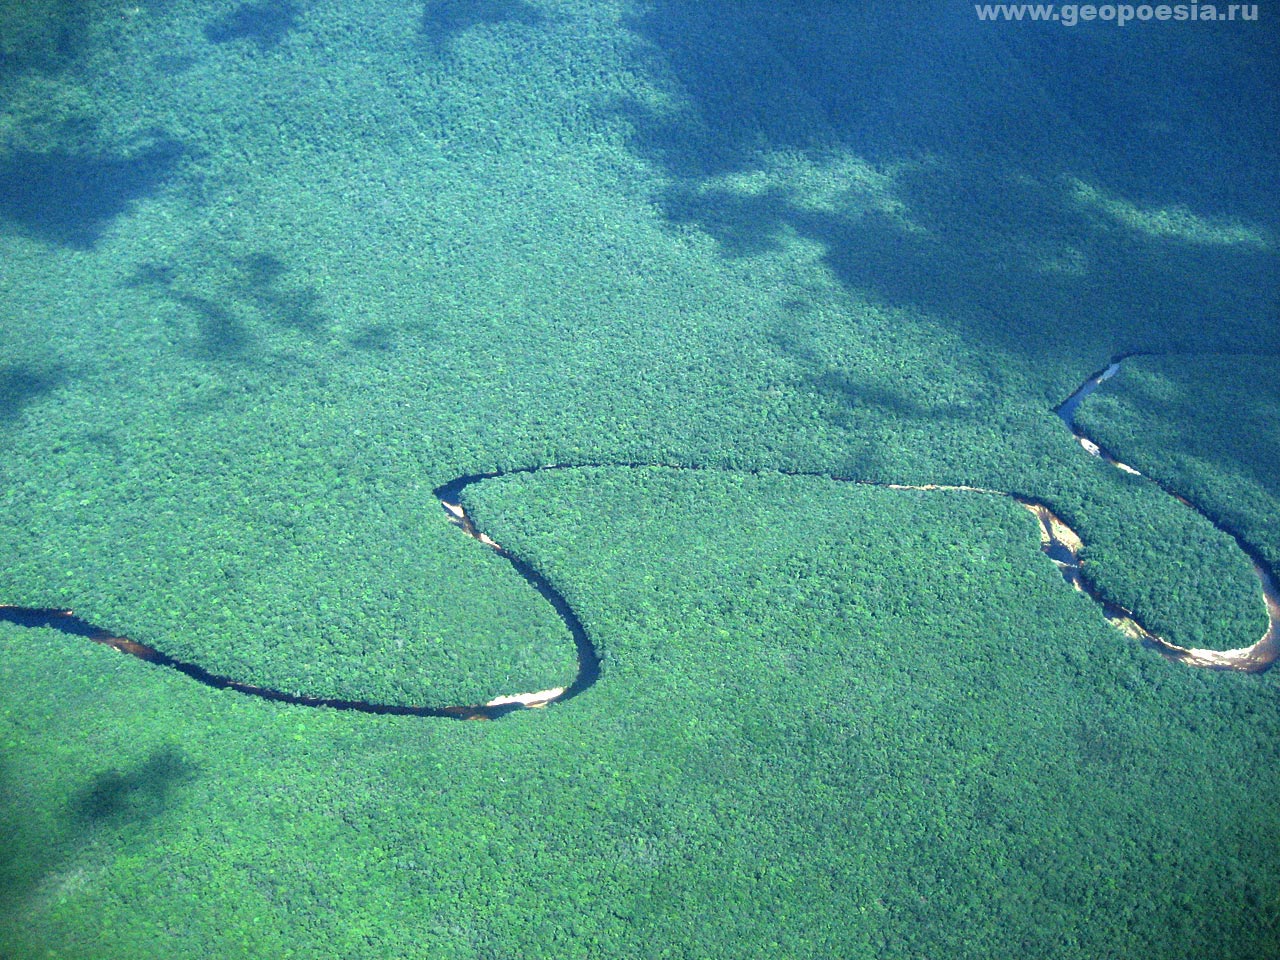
(274, 273)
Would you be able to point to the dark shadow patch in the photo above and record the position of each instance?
(151, 274)
(280, 302)
(70, 30)
(263, 270)
(979, 127)
(265, 24)
(980, 260)
(744, 225)
(42, 38)
(443, 20)
(975, 252)
(68, 197)
(257, 290)
(220, 333)
(889, 82)
(175, 64)
(136, 794)
(223, 335)
(22, 384)
(375, 337)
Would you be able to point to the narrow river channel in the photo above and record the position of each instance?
(1058, 541)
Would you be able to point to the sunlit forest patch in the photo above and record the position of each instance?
(1177, 223)
(883, 716)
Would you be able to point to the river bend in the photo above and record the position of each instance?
(1057, 539)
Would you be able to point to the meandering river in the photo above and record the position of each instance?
(1058, 541)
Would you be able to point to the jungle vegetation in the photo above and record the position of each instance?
(274, 273)
(1207, 426)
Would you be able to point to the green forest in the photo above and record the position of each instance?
(681, 301)
(1208, 426)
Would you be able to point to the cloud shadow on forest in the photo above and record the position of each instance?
(443, 20)
(35, 853)
(139, 793)
(68, 197)
(23, 384)
(986, 135)
(45, 44)
(259, 290)
(266, 24)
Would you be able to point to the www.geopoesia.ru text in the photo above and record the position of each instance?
(1120, 14)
